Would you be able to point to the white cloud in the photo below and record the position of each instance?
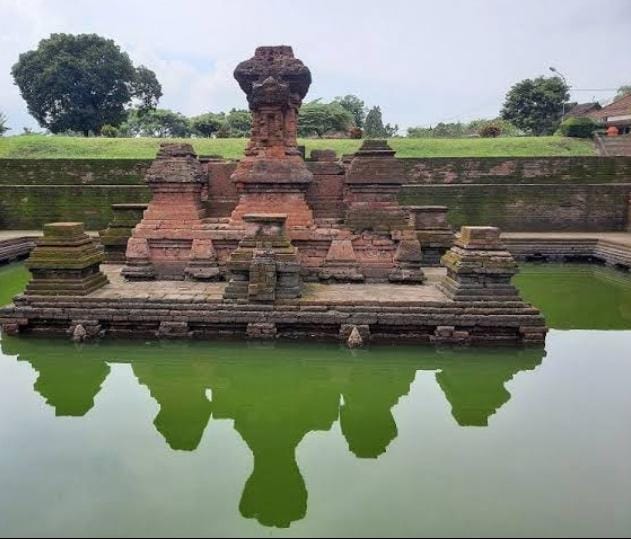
(422, 61)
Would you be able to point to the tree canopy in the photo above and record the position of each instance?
(238, 123)
(374, 128)
(318, 119)
(536, 105)
(480, 127)
(206, 125)
(82, 82)
(156, 123)
(355, 106)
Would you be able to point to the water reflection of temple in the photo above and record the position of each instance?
(275, 396)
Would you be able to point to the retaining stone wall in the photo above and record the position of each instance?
(38, 191)
(526, 193)
(515, 194)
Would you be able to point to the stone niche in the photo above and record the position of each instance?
(273, 173)
(479, 268)
(171, 242)
(265, 267)
(65, 262)
(114, 237)
(432, 230)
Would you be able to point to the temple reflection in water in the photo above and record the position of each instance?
(275, 396)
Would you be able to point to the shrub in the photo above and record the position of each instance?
(490, 131)
(578, 127)
(109, 131)
(355, 132)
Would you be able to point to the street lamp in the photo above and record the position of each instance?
(555, 70)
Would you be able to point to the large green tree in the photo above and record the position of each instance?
(82, 82)
(355, 106)
(318, 119)
(536, 105)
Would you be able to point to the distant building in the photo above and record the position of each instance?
(617, 114)
(584, 110)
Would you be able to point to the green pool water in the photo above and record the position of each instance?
(13, 279)
(578, 296)
(231, 439)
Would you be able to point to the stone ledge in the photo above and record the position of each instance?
(473, 322)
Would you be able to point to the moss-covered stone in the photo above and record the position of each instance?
(114, 237)
(65, 261)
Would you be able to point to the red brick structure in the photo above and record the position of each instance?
(273, 174)
(343, 218)
(170, 241)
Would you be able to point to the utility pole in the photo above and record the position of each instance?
(555, 70)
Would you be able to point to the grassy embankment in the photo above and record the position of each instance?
(41, 146)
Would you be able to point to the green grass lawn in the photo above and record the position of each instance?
(41, 146)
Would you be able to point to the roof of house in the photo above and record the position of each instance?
(583, 109)
(620, 107)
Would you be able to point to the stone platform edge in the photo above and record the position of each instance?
(460, 322)
(549, 247)
(573, 247)
(12, 249)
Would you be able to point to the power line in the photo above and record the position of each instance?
(593, 89)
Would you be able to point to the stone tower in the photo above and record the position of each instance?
(273, 173)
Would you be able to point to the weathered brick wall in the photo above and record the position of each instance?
(529, 194)
(324, 195)
(38, 191)
(222, 193)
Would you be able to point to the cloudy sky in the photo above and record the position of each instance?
(422, 61)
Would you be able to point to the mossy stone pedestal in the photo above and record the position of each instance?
(265, 266)
(65, 262)
(479, 267)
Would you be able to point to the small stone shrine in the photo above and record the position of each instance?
(65, 262)
(479, 267)
(372, 187)
(265, 266)
(170, 242)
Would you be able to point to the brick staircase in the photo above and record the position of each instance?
(620, 145)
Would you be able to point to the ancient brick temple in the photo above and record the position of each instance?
(280, 231)
(343, 217)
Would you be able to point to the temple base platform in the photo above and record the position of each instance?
(381, 312)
